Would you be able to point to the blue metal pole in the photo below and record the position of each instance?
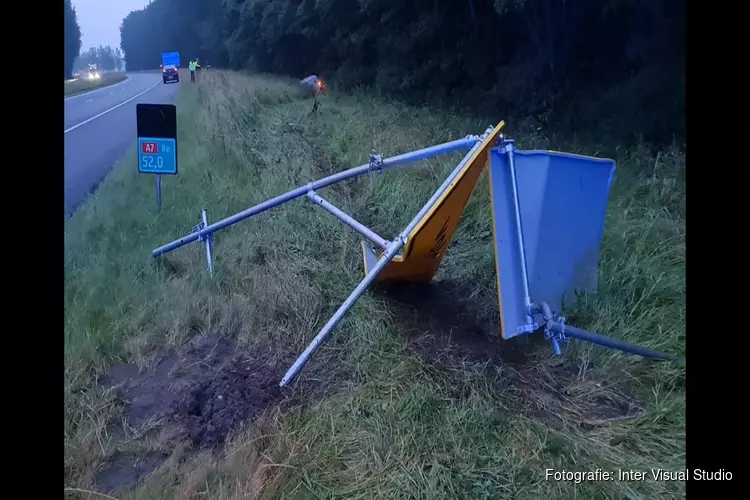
(432, 151)
(294, 370)
(596, 338)
(519, 229)
(348, 220)
(158, 192)
(394, 161)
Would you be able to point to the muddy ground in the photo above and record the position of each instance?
(203, 392)
(197, 395)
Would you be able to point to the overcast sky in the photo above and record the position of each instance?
(100, 20)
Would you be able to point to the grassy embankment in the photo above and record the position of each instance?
(402, 403)
(82, 85)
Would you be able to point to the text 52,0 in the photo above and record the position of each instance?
(152, 162)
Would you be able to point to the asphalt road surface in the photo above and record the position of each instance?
(100, 126)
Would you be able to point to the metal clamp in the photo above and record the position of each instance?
(507, 145)
(527, 328)
(555, 337)
(197, 229)
(376, 162)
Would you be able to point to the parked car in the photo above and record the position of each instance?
(169, 73)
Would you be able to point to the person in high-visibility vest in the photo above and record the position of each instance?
(192, 66)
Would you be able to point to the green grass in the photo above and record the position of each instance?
(396, 425)
(81, 85)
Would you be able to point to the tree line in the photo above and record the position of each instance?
(72, 34)
(615, 67)
(105, 58)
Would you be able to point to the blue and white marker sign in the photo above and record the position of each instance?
(157, 155)
(157, 141)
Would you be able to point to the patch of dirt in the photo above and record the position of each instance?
(443, 328)
(123, 470)
(203, 392)
(199, 394)
(212, 408)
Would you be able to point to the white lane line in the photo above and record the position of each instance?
(127, 79)
(84, 122)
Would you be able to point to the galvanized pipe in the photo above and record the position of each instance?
(596, 338)
(294, 370)
(348, 220)
(392, 162)
(158, 192)
(444, 186)
(209, 258)
(391, 252)
(519, 230)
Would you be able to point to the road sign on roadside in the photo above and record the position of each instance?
(157, 141)
(157, 155)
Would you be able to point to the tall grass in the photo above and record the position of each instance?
(399, 424)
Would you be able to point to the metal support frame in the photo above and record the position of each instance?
(158, 192)
(302, 360)
(392, 250)
(555, 328)
(381, 164)
(557, 332)
(508, 148)
(205, 239)
(565, 331)
(348, 220)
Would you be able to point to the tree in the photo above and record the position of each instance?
(612, 66)
(119, 63)
(105, 57)
(72, 38)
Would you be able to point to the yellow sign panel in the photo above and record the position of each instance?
(427, 243)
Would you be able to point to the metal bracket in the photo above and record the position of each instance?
(376, 162)
(527, 328)
(197, 229)
(205, 239)
(507, 145)
(556, 338)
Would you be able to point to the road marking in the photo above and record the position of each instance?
(89, 100)
(127, 78)
(84, 122)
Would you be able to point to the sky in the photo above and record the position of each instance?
(100, 20)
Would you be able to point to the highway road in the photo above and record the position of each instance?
(100, 126)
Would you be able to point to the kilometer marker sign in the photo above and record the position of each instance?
(157, 155)
(157, 141)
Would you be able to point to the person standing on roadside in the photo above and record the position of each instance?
(192, 66)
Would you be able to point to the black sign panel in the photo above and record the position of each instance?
(157, 138)
(156, 120)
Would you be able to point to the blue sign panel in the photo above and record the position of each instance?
(170, 59)
(157, 155)
(563, 204)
